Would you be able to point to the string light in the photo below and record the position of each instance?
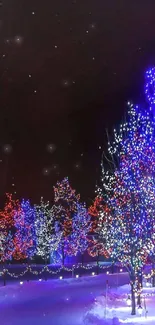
(46, 269)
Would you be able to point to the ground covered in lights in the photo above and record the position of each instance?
(78, 301)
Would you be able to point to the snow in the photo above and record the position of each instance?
(77, 301)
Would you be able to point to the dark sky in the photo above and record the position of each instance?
(67, 69)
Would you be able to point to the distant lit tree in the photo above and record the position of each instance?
(81, 226)
(57, 240)
(96, 244)
(25, 236)
(43, 229)
(7, 227)
(65, 203)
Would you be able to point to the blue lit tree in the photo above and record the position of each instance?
(57, 238)
(150, 95)
(129, 191)
(25, 236)
(81, 225)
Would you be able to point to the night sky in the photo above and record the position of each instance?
(67, 70)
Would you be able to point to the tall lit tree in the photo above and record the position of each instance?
(129, 191)
(65, 203)
(96, 245)
(25, 236)
(150, 96)
(7, 227)
(57, 241)
(81, 226)
(43, 229)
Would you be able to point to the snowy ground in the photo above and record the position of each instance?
(78, 301)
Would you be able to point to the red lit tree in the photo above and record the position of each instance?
(8, 228)
(65, 205)
(96, 244)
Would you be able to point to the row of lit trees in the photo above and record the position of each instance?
(42, 230)
(123, 212)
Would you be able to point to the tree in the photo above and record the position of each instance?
(43, 229)
(150, 97)
(152, 260)
(7, 227)
(65, 203)
(56, 237)
(25, 237)
(129, 191)
(96, 244)
(81, 226)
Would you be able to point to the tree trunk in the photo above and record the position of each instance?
(82, 259)
(46, 270)
(98, 263)
(139, 287)
(4, 276)
(28, 273)
(133, 300)
(112, 268)
(139, 300)
(153, 277)
(63, 257)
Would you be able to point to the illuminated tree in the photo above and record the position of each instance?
(96, 244)
(65, 202)
(81, 225)
(150, 95)
(56, 237)
(129, 191)
(25, 237)
(152, 260)
(43, 229)
(7, 227)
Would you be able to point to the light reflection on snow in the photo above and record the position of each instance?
(139, 320)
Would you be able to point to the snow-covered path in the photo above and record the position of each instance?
(63, 302)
